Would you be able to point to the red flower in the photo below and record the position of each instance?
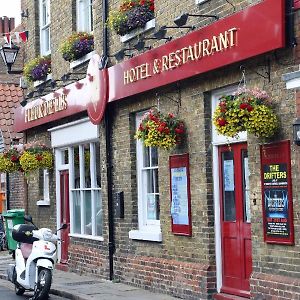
(171, 115)
(153, 118)
(151, 7)
(14, 158)
(179, 130)
(222, 122)
(243, 105)
(249, 108)
(141, 127)
(39, 157)
(167, 130)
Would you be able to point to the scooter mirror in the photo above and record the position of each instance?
(28, 218)
(64, 226)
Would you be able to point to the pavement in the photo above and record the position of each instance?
(79, 287)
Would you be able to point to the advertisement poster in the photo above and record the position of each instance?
(179, 201)
(277, 193)
(276, 200)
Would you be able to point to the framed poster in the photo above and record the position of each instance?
(180, 194)
(277, 197)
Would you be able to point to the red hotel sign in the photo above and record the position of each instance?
(255, 30)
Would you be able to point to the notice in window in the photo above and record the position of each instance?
(228, 176)
(179, 201)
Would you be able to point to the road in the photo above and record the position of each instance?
(7, 292)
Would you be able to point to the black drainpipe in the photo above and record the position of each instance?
(108, 130)
(7, 192)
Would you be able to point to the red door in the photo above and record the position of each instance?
(64, 214)
(235, 220)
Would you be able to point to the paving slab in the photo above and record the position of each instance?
(80, 287)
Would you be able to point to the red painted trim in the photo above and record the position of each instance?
(178, 161)
(274, 154)
(255, 30)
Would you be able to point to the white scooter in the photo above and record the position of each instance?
(35, 259)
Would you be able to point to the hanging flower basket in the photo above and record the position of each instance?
(37, 69)
(28, 158)
(246, 110)
(36, 157)
(159, 130)
(131, 14)
(76, 46)
(9, 161)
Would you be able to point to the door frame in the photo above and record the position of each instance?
(218, 140)
(59, 166)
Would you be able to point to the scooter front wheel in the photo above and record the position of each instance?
(43, 285)
(19, 290)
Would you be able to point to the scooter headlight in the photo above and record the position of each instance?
(47, 235)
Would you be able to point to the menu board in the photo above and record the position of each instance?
(180, 194)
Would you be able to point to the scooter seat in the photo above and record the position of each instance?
(26, 249)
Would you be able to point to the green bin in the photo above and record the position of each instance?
(12, 218)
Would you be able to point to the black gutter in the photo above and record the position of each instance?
(108, 130)
(290, 31)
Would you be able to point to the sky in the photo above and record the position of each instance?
(11, 9)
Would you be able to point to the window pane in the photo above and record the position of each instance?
(152, 207)
(99, 216)
(146, 156)
(65, 157)
(228, 186)
(97, 157)
(154, 157)
(155, 178)
(87, 212)
(76, 209)
(246, 188)
(87, 174)
(76, 168)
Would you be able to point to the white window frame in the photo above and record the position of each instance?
(63, 137)
(147, 229)
(45, 45)
(46, 189)
(82, 189)
(84, 16)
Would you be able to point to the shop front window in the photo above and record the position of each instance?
(148, 192)
(86, 216)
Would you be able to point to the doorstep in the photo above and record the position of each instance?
(223, 296)
(62, 267)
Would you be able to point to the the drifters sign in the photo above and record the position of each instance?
(277, 193)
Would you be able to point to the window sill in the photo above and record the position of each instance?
(145, 235)
(89, 237)
(43, 203)
(81, 60)
(40, 82)
(127, 37)
(200, 1)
